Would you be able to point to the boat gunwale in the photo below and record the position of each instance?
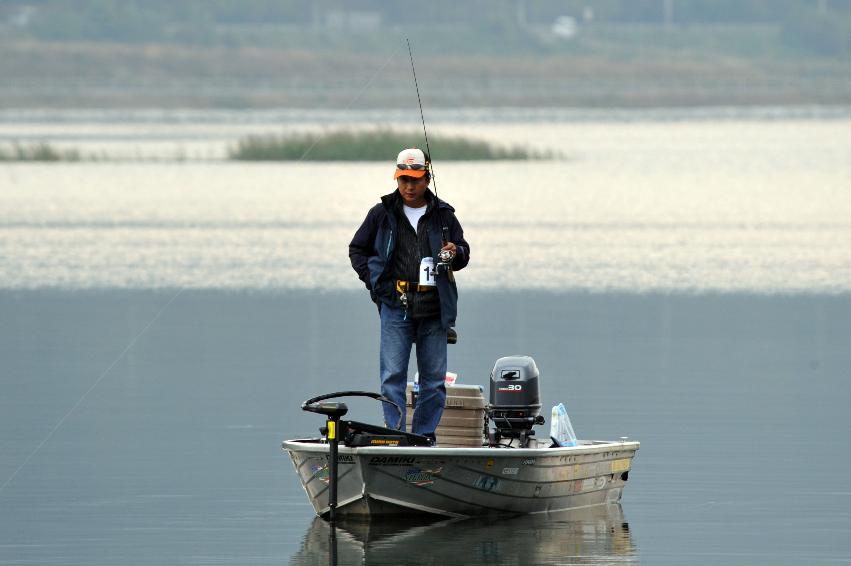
(316, 445)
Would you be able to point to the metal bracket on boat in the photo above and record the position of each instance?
(512, 427)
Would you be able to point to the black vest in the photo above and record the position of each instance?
(411, 247)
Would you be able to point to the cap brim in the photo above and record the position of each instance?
(409, 173)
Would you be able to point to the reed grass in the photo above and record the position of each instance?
(371, 145)
(41, 151)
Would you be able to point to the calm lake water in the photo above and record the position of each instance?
(685, 282)
(740, 403)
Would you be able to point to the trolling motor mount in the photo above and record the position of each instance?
(354, 433)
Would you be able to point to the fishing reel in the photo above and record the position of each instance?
(444, 263)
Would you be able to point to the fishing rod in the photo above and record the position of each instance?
(444, 255)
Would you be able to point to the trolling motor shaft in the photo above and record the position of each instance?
(333, 410)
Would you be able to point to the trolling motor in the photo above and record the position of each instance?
(354, 433)
(515, 401)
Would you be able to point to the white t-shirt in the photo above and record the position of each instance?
(414, 214)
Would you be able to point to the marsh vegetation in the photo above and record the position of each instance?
(370, 145)
(40, 151)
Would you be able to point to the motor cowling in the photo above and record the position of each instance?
(515, 400)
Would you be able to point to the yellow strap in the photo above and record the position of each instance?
(402, 287)
(332, 430)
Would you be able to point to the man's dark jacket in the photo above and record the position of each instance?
(371, 251)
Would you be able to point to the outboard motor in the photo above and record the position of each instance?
(515, 401)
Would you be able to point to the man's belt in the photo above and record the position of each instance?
(411, 286)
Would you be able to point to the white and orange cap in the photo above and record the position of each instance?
(411, 163)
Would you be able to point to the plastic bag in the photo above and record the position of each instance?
(561, 431)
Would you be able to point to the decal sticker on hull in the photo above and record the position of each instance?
(320, 472)
(343, 459)
(420, 477)
(487, 483)
(391, 461)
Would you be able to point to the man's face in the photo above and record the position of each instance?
(413, 190)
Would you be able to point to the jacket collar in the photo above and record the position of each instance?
(394, 199)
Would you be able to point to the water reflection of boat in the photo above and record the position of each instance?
(596, 534)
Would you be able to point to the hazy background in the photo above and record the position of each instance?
(301, 53)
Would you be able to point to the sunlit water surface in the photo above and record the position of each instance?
(643, 205)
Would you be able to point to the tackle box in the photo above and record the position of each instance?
(463, 420)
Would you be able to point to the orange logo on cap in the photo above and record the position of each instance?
(410, 159)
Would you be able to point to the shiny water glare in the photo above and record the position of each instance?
(689, 205)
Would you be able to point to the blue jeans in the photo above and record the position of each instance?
(397, 337)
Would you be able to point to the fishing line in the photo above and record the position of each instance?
(92, 388)
(444, 229)
(162, 310)
(349, 105)
(425, 133)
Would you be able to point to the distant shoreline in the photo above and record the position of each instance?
(441, 115)
(567, 93)
(125, 76)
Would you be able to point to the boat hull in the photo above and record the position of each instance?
(463, 482)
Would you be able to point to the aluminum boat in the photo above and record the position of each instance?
(463, 482)
(357, 469)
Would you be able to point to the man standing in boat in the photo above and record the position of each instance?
(405, 252)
